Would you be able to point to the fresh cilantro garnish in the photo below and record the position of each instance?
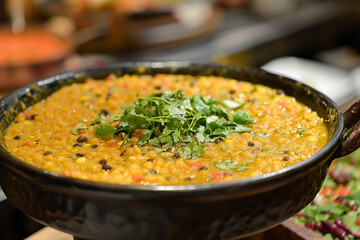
(226, 165)
(194, 149)
(301, 131)
(262, 135)
(224, 93)
(263, 149)
(171, 120)
(242, 168)
(101, 119)
(105, 130)
(79, 126)
(229, 165)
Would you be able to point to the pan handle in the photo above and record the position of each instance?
(351, 140)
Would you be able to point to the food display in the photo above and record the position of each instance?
(165, 130)
(335, 212)
(29, 56)
(32, 46)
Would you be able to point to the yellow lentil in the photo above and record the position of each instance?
(284, 133)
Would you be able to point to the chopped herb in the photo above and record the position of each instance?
(105, 130)
(194, 149)
(301, 131)
(242, 168)
(143, 151)
(171, 120)
(224, 93)
(262, 135)
(229, 165)
(79, 126)
(114, 88)
(224, 148)
(90, 94)
(263, 149)
(286, 116)
(226, 165)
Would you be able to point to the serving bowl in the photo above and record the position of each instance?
(94, 210)
(45, 56)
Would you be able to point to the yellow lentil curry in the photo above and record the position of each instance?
(165, 130)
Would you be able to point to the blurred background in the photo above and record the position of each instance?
(314, 41)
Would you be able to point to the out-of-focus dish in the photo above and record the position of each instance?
(334, 82)
(30, 55)
(32, 46)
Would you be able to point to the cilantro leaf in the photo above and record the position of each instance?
(231, 104)
(242, 168)
(79, 126)
(104, 130)
(194, 149)
(241, 117)
(226, 165)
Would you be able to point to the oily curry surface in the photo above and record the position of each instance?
(165, 130)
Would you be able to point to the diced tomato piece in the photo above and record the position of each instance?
(112, 144)
(27, 114)
(137, 177)
(221, 181)
(256, 150)
(58, 137)
(315, 149)
(326, 191)
(67, 173)
(358, 221)
(110, 78)
(27, 144)
(125, 85)
(300, 215)
(281, 104)
(343, 192)
(216, 175)
(195, 164)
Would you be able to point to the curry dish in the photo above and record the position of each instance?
(165, 130)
